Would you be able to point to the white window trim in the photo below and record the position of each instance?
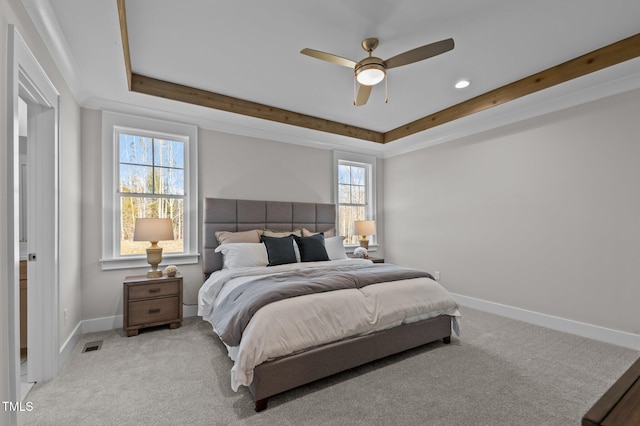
(370, 160)
(111, 120)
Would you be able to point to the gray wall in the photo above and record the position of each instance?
(542, 215)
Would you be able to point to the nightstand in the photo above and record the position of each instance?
(371, 258)
(148, 302)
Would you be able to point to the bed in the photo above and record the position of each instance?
(362, 311)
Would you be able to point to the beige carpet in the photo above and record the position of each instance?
(498, 372)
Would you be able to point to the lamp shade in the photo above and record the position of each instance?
(153, 230)
(364, 227)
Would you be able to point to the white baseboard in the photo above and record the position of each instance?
(189, 311)
(602, 334)
(101, 324)
(68, 345)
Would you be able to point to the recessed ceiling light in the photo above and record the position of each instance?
(462, 84)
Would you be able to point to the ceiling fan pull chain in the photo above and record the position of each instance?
(386, 90)
(354, 90)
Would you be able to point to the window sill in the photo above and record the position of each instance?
(141, 261)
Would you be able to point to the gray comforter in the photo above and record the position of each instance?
(231, 317)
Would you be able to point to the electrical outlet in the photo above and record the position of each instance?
(436, 275)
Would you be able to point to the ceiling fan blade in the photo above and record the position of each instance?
(329, 57)
(363, 95)
(420, 53)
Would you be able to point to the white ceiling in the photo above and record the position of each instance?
(250, 50)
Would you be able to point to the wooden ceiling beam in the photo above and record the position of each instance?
(191, 95)
(607, 56)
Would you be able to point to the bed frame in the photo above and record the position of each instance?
(288, 372)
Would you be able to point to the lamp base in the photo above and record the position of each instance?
(364, 243)
(154, 257)
(154, 274)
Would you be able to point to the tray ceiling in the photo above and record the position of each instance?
(248, 55)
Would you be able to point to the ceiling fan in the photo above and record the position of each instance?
(372, 70)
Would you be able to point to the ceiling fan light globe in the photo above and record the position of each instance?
(370, 75)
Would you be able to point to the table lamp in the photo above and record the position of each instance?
(364, 228)
(153, 230)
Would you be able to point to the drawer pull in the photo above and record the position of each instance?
(154, 311)
(154, 290)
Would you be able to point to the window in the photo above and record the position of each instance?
(355, 192)
(151, 185)
(149, 170)
(352, 197)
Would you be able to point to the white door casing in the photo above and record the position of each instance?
(26, 79)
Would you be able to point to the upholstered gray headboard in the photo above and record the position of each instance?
(221, 214)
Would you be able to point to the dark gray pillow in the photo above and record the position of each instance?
(279, 250)
(312, 248)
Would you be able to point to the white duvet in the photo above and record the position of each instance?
(299, 323)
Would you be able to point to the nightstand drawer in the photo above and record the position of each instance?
(144, 291)
(152, 311)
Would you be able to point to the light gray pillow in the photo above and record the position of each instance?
(243, 255)
(335, 248)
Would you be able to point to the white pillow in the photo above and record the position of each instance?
(335, 248)
(241, 255)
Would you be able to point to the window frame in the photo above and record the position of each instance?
(113, 124)
(369, 161)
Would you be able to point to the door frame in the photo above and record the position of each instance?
(26, 79)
